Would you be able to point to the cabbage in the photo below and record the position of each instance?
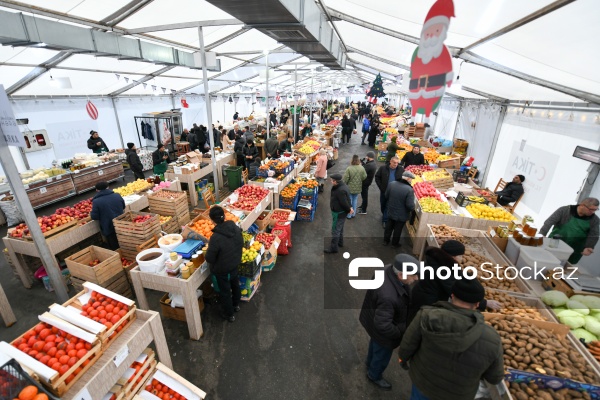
(596, 315)
(585, 335)
(578, 297)
(554, 298)
(592, 302)
(558, 309)
(577, 306)
(571, 318)
(592, 325)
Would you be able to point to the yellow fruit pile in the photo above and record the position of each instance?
(443, 157)
(437, 174)
(416, 179)
(250, 254)
(482, 211)
(164, 219)
(306, 149)
(133, 187)
(431, 156)
(400, 154)
(431, 205)
(314, 144)
(246, 236)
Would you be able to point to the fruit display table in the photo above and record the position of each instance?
(50, 191)
(57, 244)
(251, 215)
(6, 311)
(185, 287)
(86, 179)
(190, 179)
(277, 188)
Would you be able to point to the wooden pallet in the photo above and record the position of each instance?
(110, 264)
(55, 231)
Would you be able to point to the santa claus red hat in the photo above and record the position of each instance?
(439, 13)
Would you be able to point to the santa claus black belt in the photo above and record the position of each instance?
(426, 81)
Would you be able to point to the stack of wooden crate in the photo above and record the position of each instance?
(131, 234)
(176, 205)
(100, 266)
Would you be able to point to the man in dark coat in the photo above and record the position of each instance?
(135, 165)
(374, 131)
(414, 157)
(224, 255)
(383, 315)
(512, 191)
(271, 147)
(106, 206)
(385, 175)
(192, 139)
(448, 348)
(340, 208)
(400, 200)
(238, 148)
(234, 133)
(202, 138)
(236, 116)
(96, 144)
(253, 168)
(250, 152)
(370, 167)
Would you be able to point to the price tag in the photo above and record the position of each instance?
(83, 395)
(58, 177)
(258, 209)
(121, 355)
(258, 259)
(177, 170)
(49, 180)
(43, 190)
(26, 186)
(101, 172)
(76, 171)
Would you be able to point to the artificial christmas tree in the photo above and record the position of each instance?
(376, 90)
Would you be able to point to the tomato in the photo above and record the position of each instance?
(52, 352)
(43, 334)
(63, 369)
(81, 353)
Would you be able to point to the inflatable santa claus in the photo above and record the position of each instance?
(431, 65)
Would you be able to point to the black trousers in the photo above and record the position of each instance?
(346, 134)
(364, 195)
(138, 174)
(393, 226)
(229, 292)
(113, 243)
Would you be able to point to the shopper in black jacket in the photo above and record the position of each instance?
(135, 165)
(414, 157)
(370, 167)
(340, 208)
(224, 255)
(385, 175)
(96, 144)
(253, 169)
(106, 206)
(384, 316)
(202, 137)
(250, 152)
(400, 200)
(346, 129)
(512, 191)
(238, 148)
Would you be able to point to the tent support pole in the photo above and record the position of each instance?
(503, 109)
(586, 190)
(211, 139)
(112, 99)
(460, 106)
(267, 116)
(24, 204)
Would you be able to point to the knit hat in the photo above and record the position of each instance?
(371, 154)
(101, 185)
(217, 214)
(454, 248)
(399, 261)
(468, 290)
(337, 177)
(417, 146)
(130, 145)
(408, 174)
(522, 178)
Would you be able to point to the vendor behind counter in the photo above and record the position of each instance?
(96, 144)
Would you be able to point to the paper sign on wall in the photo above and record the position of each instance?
(70, 137)
(8, 124)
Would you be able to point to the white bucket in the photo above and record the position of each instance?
(155, 265)
(174, 238)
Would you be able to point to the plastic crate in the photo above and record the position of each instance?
(308, 192)
(305, 214)
(248, 269)
(263, 173)
(289, 204)
(14, 379)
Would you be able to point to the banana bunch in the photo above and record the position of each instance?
(476, 199)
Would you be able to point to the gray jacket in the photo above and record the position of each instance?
(400, 200)
(563, 215)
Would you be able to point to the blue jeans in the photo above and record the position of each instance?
(378, 359)
(416, 394)
(383, 202)
(354, 203)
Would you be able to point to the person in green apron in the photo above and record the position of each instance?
(159, 160)
(577, 226)
(96, 144)
(340, 208)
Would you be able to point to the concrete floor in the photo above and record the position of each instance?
(290, 341)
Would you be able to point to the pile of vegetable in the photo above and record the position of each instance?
(513, 306)
(526, 391)
(580, 313)
(475, 259)
(444, 232)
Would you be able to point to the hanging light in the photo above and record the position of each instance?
(457, 84)
(230, 99)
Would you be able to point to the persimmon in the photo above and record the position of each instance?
(63, 369)
(72, 361)
(63, 359)
(81, 353)
(39, 346)
(28, 393)
(38, 328)
(52, 352)
(41, 396)
(44, 333)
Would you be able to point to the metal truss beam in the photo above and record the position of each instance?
(233, 84)
(377, 58)
(185, 25)
(141, 80)
(125, 12)
(227, 38)
(484, 94)
(38, 71)
(359, 65)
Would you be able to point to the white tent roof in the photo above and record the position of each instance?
(559, 47)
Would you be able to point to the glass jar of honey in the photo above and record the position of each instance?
(185, 272)
(537, 240)
(517, 235)
(512, 226)
(526, 240)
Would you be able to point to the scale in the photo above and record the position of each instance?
(580, 281)
(188, 248)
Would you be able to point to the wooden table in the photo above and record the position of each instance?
(57, 244)
(5, 311)
(185, 287)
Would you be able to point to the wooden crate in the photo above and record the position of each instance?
(176, 313)
(442, 183)
(131, 386)
(184, 218)
(452, 163)
(51, 191)
(118, 284)
(109, 266)
(124, 225)
(171, 226)
(532, 303)
(164, 206)
(195, 392)
(59, 229)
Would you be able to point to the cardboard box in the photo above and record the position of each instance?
(269, 257)
(264, 223)
(193, 157)
(176, 313)
(501, 243)
(291, 216)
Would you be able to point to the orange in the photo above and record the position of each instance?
(28, 393)
(41, 396)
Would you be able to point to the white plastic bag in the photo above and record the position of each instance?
(11, 211)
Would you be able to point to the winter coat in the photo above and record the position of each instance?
(106, 206)
(232, 135)
(400, 198)
(224, 253)
(248, 136)
(450, 349)
(382, 176)
(250, 151)
(192, 140)
(157, 157)
(201, 135)
(392, 149)
(91, 143)
(321, 170)
(253, 169)
(134, 161)
(370, 167)
(238, 147)
(346, 125)
(271, 147)
(283, 146)
(340, 198)
(411, 158)
(354, 177)
(563, 215)
(511, 193)
(384, 311)
(217, 138)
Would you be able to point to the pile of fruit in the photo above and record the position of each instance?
(418, 169)
(426, 189)
(334, 122)
(94, 262)
(400, 154)
(133, 187)
(79, 211)
(484, 192)
(55, 348)
(164, 219)
(105, 311)
(474, 258)
(249, 196)
(27, 393)
(126, 263)
(161, 185)
(444, 157)
(416, 180)
(231, 217)
(290, 190)
(46, 224)
(306, 149)
(167, 194)
(431, 205)
(314, 144)
(266, 239)
(436, 174)
(513, 306)
(280, 216)
(249, 254)
(162, 391)
(247, 237)
(444, 232)
(431, 156)
(308, 183)
(138, 219)
(482, 211)
(203, 227)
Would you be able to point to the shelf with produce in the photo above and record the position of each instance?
(87, 178)
(251, 214)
